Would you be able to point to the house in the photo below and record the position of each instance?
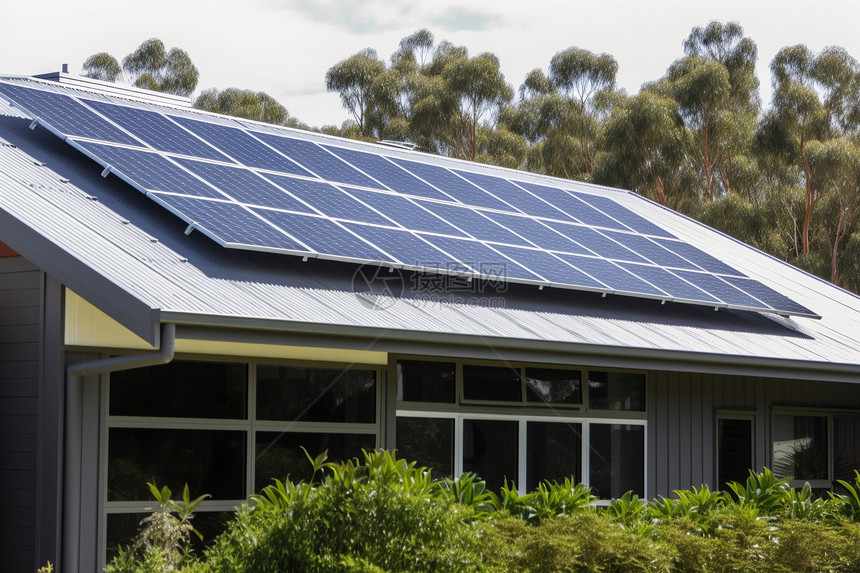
(187, 298)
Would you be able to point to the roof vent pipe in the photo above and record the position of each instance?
(65, 68)
(73, 438)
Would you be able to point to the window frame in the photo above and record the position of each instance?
(748, 415)
(523, 411)
(250, 425)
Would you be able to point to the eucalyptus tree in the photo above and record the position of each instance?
(150, 67)
(816, 98)
(248, 104)
(368, 91)
(644, 147)
(716, 90)
(560, 113)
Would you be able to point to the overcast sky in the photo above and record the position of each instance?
(284, 47)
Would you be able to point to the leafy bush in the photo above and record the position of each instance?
(382, 514)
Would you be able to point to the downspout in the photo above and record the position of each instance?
(73, 438)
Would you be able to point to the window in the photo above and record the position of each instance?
(815, 446)
(226, 429)
(523, 423)
(734, 447)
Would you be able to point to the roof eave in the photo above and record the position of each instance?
(401, 341)
(124, 307)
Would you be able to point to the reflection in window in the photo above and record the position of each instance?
(617, 458)
(553, 386)
(293, 393)
(429, 442)
(800, 447)
(181, 389)
(734, 450)
(426, 381)
(122, 528)
(279, 454)
(846, 447)
(554, 451)
(209, 461)
(491, 383)
(490, 450)
(616, 391)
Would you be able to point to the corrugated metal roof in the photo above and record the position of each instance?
(110, 230)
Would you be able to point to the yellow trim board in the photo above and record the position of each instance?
(88, 326)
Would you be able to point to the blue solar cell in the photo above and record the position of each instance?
(156, 130)
(768, 296)
(480, 257)
(623, 214)
(537, 233)
(324, 236)
(470, 221)
(650, 250)
(387, 173)
(671, 284)
(244, 186)
(328, 199)
(65, 114)
(317, 160)
(595, 242)
(242, 147)
(405, 212)
(550, 268)
(407, 248)
(579, 210)
(721, 289)
(229, 222)
(150, 171)
(455, 186)
(699, 257)
(519, 199)
(612, 275)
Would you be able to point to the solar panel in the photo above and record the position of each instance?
(255, 186)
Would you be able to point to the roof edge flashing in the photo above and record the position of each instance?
(116, 89)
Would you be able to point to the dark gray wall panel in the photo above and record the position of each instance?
(20, 347)
(682, 410)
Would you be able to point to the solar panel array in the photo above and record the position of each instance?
(260, 187)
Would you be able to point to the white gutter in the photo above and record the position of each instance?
(73, 439)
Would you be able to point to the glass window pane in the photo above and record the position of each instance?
(800, 447)
(554, 451)
(428, 442)
(617, 458)
(553, 386)
(279, 454)
(293, 393)
(209, 461)
(616, 391)
(846, 447)
(492, 383)
(181, 389)
(122, 528)
(734, 450)
(426, 381)
(490, 450)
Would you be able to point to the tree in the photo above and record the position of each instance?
(816, 97)
(367, 90)
(102, 66)
(150, 67)
(561, 113)
(248, 104)
(644, 146)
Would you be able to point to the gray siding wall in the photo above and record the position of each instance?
(20, 349)
(682, 409)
